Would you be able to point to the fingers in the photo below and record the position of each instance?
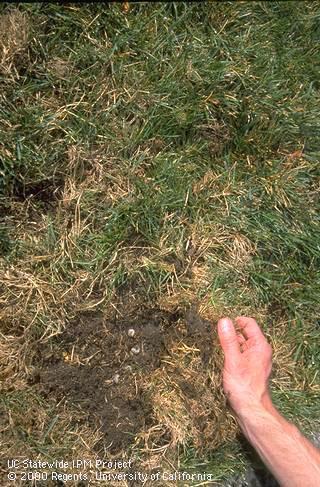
(250, 328)
(241, 338)
(242, 341)
(229, 340)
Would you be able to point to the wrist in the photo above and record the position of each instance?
(289, 456)
(257, 418)
(247, 408)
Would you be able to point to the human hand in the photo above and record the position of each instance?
(247, 364)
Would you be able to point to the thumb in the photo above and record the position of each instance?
(228, 339)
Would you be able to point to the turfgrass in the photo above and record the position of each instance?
(158, 156)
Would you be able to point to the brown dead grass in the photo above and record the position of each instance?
(61, 68)
(14, 35)
(188, 401)
(12, 363)
(96, 171)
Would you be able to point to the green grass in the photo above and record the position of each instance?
(118, 116)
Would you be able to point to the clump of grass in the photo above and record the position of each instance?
(15, 30)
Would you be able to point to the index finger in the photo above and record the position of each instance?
(250, 328)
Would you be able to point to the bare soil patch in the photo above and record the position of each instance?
(99, 366)
(46, 191)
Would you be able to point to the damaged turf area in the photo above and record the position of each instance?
(146, 377)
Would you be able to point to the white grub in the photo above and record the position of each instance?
(116, 379)
(131, 332)
(135, 350)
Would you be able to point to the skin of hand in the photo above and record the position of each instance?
(292, 458)
(248, 362)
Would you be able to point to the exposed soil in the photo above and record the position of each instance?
(92, 365)
(217, 134)
(46, 191)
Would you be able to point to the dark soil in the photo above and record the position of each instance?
(101, 377)
(46, 192)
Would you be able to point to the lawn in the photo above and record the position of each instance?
(159, 168)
